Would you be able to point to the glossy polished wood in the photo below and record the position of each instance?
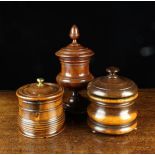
(77, 136)
(112, 107)
(41, 112)
(75, 74)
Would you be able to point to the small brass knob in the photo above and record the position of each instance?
(40, 82)
(112, 71)
(74, 33)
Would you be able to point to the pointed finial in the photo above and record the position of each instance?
(74, 33)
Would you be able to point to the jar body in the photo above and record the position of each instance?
(112, 118)
(74, 77)
(74, 72)
(41, 119)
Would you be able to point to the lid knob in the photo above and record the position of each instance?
(112, 71)
(40, 82)
(74, 33)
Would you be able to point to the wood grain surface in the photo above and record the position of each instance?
(74, 75)
(77, 136)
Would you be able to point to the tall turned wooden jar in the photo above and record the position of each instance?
(41, 112)
(112, 109)
(74, 75)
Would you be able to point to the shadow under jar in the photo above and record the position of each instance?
(41, 111)
(74, 75)
(112, 109)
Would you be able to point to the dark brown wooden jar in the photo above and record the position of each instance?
(41, 111)
(112, 109)
(74, 75)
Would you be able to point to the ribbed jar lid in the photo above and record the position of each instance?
(39, 91)
(112, 86)
(74, 49)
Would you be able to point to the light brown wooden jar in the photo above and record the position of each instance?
(41, 112)
(112, 109)
(75, 74)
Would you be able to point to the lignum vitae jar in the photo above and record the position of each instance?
(41, 111)
(112, 109)
(75, 74)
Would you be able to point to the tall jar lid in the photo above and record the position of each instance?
(74, 49)
(39, 91)
(112, 86)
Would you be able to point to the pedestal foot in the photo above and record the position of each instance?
(75, 103)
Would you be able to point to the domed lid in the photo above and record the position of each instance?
(112, 86)
(74, 49)
(39, 91)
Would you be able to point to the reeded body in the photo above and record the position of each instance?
(74, 75)
(111, 110)
(41, 114)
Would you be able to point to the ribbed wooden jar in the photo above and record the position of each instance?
(112, 109)
(41, 112)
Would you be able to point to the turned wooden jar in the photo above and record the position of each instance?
(41, 112)
(74, 75)
(112, 109)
